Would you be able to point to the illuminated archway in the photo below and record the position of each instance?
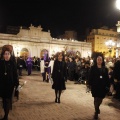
(24, 53)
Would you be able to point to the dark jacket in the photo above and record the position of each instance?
(116, 70)
(8, 78)
(72, 66)
(20, 63)
(59, 75)
(99, 81)
(111, 79)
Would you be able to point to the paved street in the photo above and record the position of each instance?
(37, 103)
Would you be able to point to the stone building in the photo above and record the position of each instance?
(118, 41)
(98, 38)
(34, 42)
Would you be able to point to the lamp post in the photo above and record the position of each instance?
(110, 44)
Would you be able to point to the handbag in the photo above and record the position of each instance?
(50, 80)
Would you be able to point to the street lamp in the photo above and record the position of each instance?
(118, 4)
(110, 44)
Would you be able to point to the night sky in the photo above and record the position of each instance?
(59, 15)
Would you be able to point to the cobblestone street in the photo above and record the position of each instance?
(37, 102)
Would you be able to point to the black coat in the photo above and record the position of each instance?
(116, 70)
(59, 75)
(20, 63)
(99, 81)
(9, 80)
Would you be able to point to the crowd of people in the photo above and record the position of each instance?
(100, 74)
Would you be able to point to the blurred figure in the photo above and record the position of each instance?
(71, 69)
(20, 64)
(42, 69)
(38, 64)
(111, 79)
(59, 76)
(116, 75)
(77, 70)
(99, 82)
(67, 63)
(45, 68)
(51, 65)
(29, 65)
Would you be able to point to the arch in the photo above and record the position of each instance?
(24, 53)
(43, 52)
(24, 49)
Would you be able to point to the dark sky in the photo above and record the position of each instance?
(59, 15)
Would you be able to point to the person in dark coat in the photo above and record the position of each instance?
(99, 82)
(38, 64)
(20, 64)
(8, 80)
(59, 76)
(71, 69)
(116, 75)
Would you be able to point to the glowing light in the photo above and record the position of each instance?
(118, 4)
(110, 43)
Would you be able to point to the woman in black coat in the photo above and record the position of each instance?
(8, 80)
(59, 76)
(99, 82)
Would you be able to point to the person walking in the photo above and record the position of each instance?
(29, 65)
(59, 76)
(99, 82)
(8, 79)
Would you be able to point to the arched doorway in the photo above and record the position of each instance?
(24, 53)
(43, 52)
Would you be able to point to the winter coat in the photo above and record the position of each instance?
(8, 78)
(59, 75)
(99, 81)
(116, 70)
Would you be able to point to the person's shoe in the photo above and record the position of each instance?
(99, 111)
(58, 100)
(96, 116)
(55, 100)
